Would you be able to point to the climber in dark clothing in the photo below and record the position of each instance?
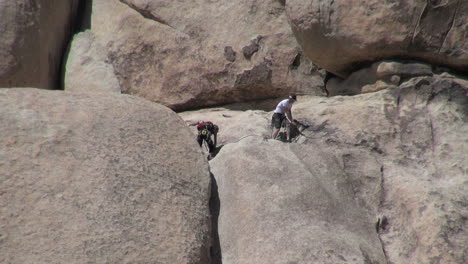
(205, 130)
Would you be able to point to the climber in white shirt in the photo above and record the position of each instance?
(282, 111)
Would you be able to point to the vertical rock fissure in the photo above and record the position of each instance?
(79, 22)
(215, 206)
(382, 188)
(417, 23)
(397, 117)
(433, 143)
(451, 26)
(381, 205)
(83, 16)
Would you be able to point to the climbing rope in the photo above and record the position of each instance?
(243, 138)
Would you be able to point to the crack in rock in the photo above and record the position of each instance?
(419, 21)
(451, 26)
(382, 222)
(149, 15)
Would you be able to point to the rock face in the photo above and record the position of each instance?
(187, 54)
(99, 179)
(418, 133)
(234, 124)
(289, 204)
(373, 173)
(98, 78)
(380, 75)
(340, 35)
(34, 36)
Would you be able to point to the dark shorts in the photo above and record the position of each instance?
(277, 120)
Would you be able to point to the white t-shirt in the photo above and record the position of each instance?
(283, 106)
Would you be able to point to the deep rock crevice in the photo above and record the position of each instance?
(79, 22)
(215, 206)
(83, 16)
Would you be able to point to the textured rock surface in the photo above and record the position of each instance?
(339, 35)
(187, 54)
(290, 204)
(380, 75)
(33, 38)
(387, 69)
(426, 199)
(98, 78)
(398, 153)
(377, 86)
(235, 124)
(99, 179)
(354, 83)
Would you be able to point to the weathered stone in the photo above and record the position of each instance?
(377, 86)
(99, 178)
(341, 35)
(406, 70)
(253, 47)
(353, 83)
(287, 204)
(395, 79)
(173, 52)
(398, 153)
(380, 75)
(87, 59)
(234, 125)
(260, 76)
(229, 53)
(33, 39)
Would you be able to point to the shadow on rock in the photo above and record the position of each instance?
(215, 205)
(215, 152)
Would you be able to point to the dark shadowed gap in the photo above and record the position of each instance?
(296, 62)
(328, 76)
(83, 16)
(216, 151)
(268, 104)
(79, 22)
(215, 205)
